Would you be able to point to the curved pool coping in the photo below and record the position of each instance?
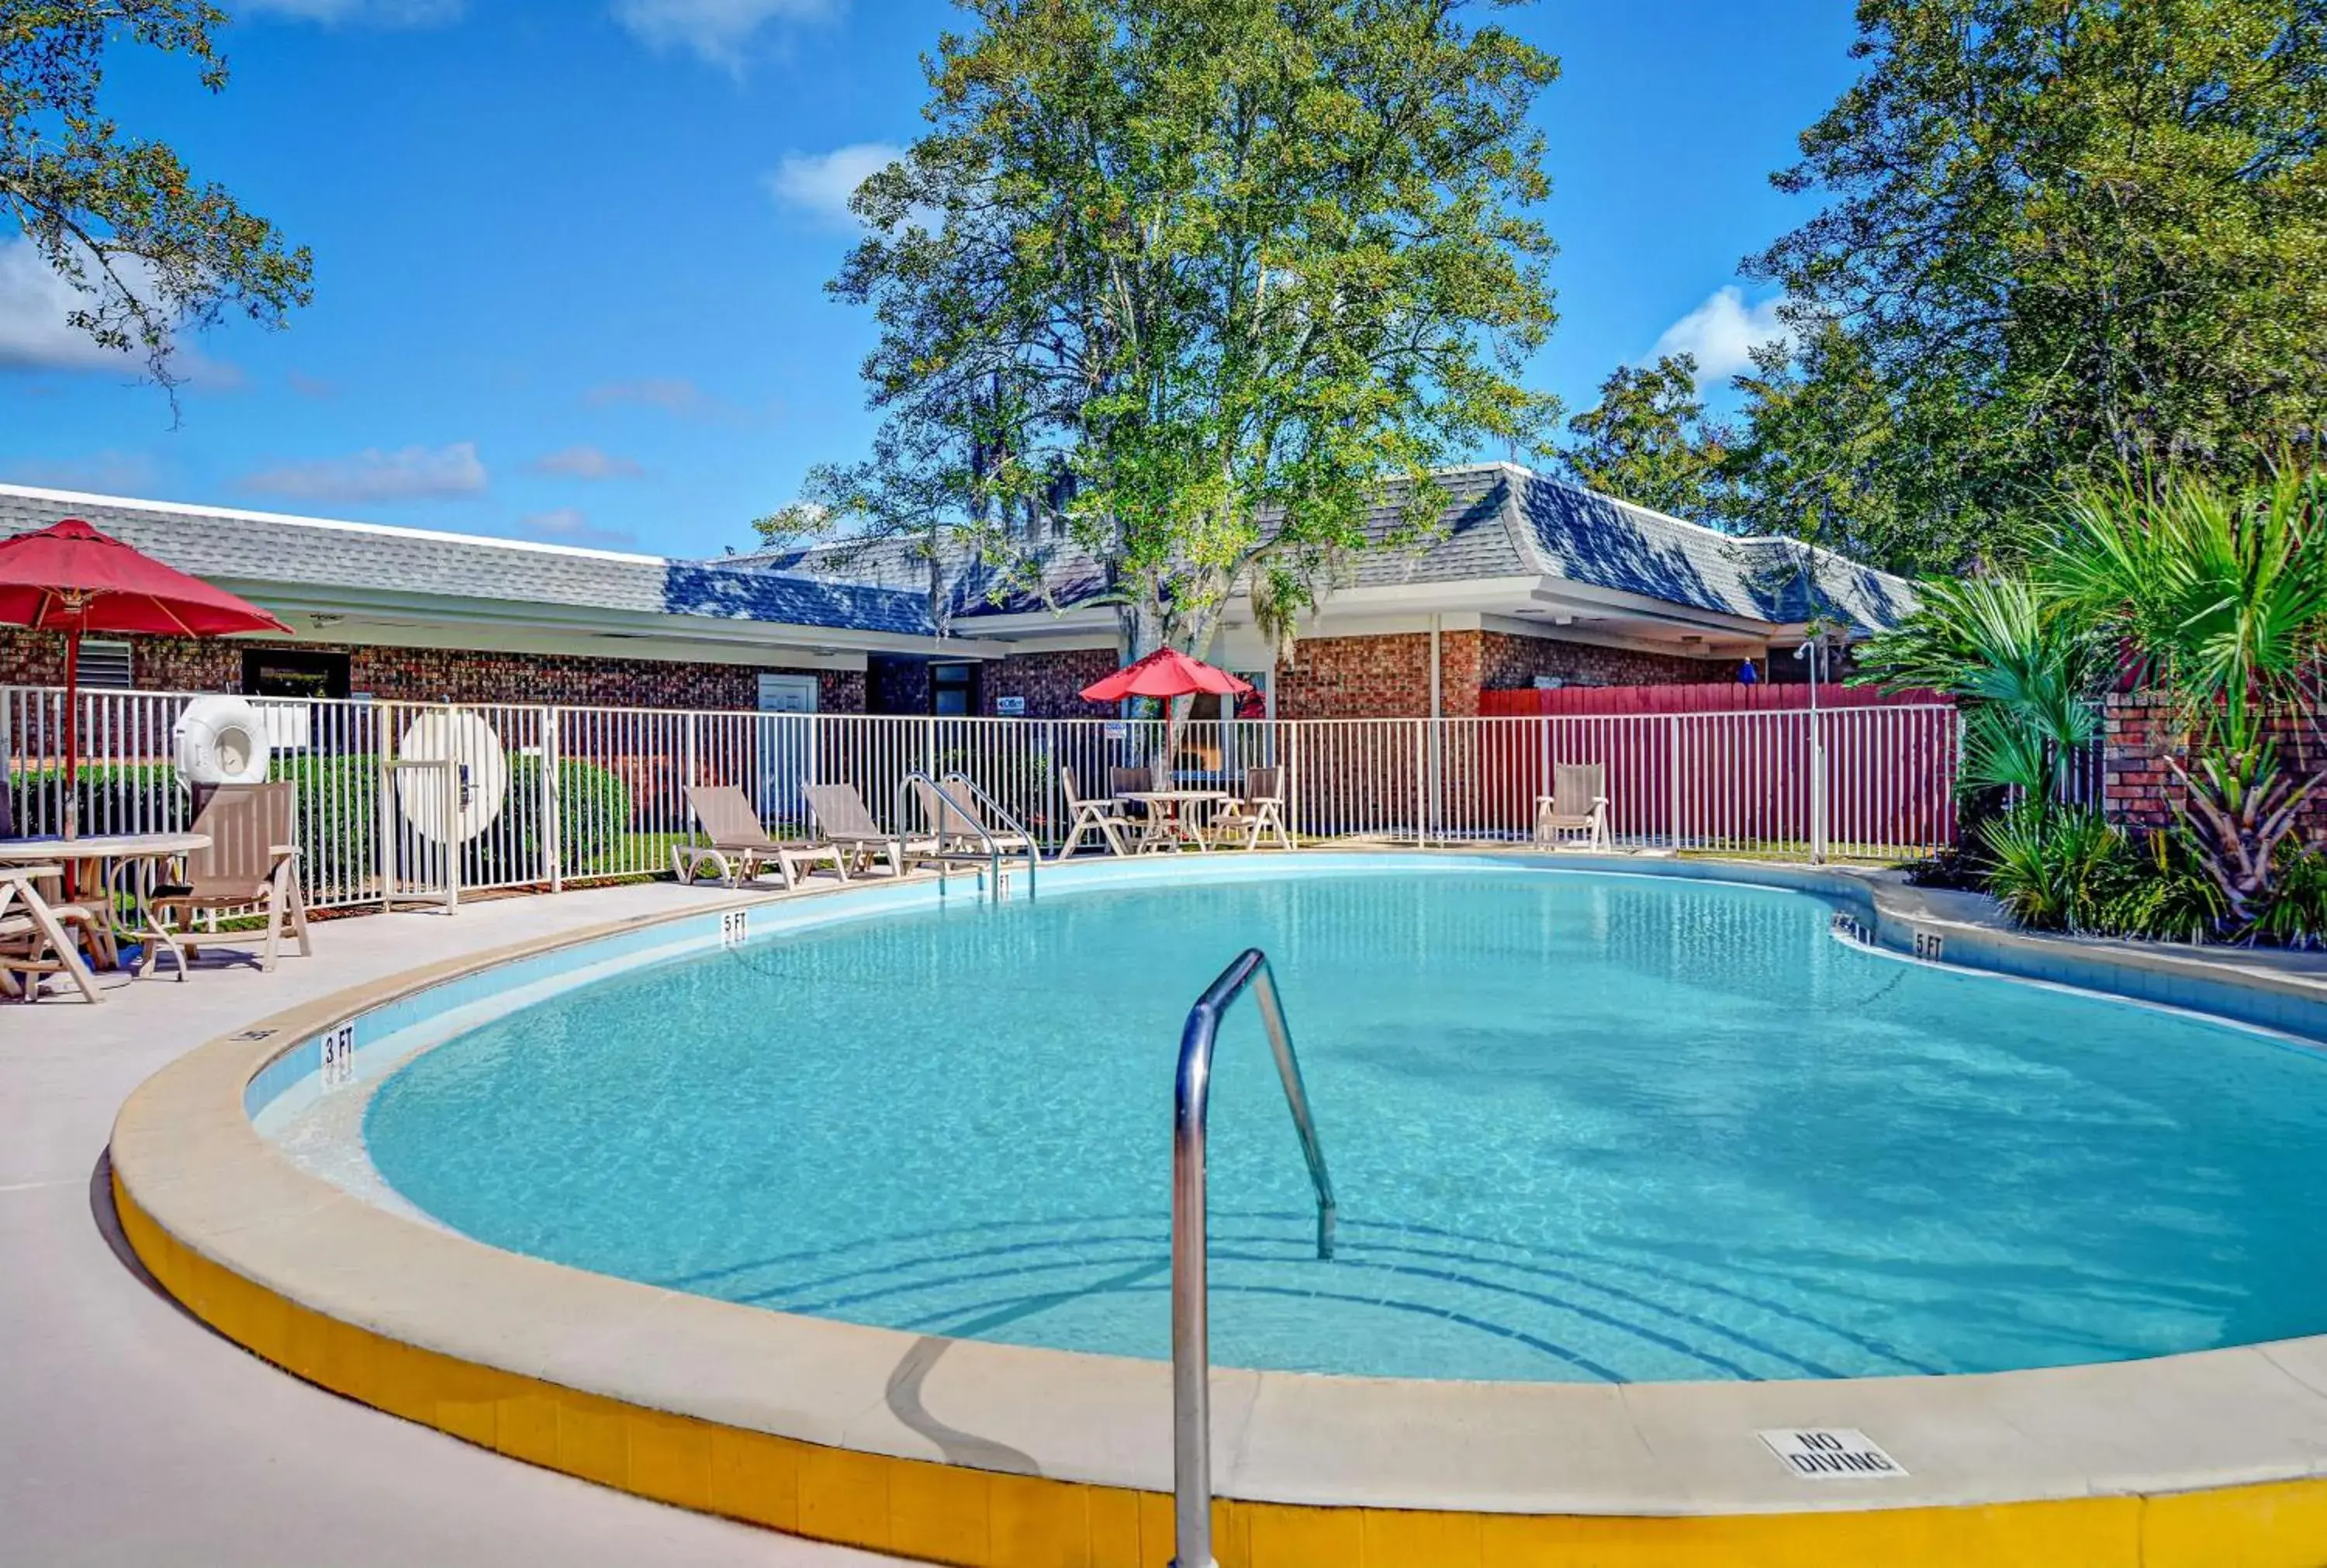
(980, 1453)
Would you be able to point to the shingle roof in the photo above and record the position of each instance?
(1598, 540)
(1498, 520)
(266, 547)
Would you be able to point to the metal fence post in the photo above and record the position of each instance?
(385, 719)
(553, 830)
(1673, 748)
(1817, 789)
(1421, 788)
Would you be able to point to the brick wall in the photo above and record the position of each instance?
(1388, 678)
(443, 675)
(2139, 729)
(1049, 681)
(1509, 662)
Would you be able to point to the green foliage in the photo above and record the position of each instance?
(1187, 280)
(152, 250)
(2221, 598)
(2213, 595)
(338, 818)
(2024, 669)
(2060, 236)
(1646, 441)
(2055, 868)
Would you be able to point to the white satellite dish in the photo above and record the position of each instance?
(219, 741)
(479, 784)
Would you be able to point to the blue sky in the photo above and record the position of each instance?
(569, 254)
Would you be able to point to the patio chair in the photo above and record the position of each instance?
(1260, 810)
(843, 819)
(35, 939)
(740, 845)
(252, 862)
(1578, 803)
(1090, 815)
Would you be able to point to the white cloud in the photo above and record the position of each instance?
(568, 526)
(820, 183)
(1723, 333)
(37, 333)
(671, 394)
(586, 463)
(717, 30)
(358, 13)
(413, 473)
(109, 473)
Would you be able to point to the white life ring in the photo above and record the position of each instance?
(479, 781)
(219, 741)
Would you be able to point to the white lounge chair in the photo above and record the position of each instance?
(843, 820)
(1577, 804)
(951, 811)
(740, 845)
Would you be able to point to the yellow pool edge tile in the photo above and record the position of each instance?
(981, 1519)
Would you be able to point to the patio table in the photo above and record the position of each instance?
(133, 859)
(1171, 816)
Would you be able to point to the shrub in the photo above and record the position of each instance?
(2055, 868)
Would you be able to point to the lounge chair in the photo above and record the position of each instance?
(34, 939)
(740, 845)
(1087, 815)
(952, 813)
(1578, 803)
(843, 820)
(1260, 810)
(252, 862)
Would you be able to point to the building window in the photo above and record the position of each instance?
(106, 665)
(953, 690)
(282, 672)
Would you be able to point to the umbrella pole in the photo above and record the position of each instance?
(72, 731)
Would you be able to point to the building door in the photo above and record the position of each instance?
(786, 749)
(787, 693)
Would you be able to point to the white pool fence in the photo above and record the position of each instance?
(529, 796)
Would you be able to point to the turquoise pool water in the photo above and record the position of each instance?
(1582, 1127)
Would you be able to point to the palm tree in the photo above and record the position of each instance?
(2218, 599)
(2023, 670)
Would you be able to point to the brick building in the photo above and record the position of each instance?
(1524, 581)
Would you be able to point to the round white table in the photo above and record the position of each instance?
(1169, 817)
(133, 857)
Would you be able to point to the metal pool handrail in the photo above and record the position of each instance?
(948, 808)
(1191, 1354)
(1003, 815)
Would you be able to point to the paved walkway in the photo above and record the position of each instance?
(131, 1434)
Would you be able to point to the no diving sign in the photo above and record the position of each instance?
(1832, 1455)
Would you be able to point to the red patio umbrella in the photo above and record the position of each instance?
(1166, 673)
(71, 578)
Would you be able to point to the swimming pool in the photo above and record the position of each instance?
(1584, 1127)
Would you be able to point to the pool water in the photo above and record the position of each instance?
(1581, 1127)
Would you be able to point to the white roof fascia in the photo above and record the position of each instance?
(303, 598)
(1567, 591)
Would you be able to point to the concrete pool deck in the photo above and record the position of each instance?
(132, 1435)
(974, 1452)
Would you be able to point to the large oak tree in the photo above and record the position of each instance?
(1188, 280)
(154, 251)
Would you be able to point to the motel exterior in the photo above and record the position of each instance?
(1528, 582)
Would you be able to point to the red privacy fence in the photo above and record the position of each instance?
(1708, 697)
